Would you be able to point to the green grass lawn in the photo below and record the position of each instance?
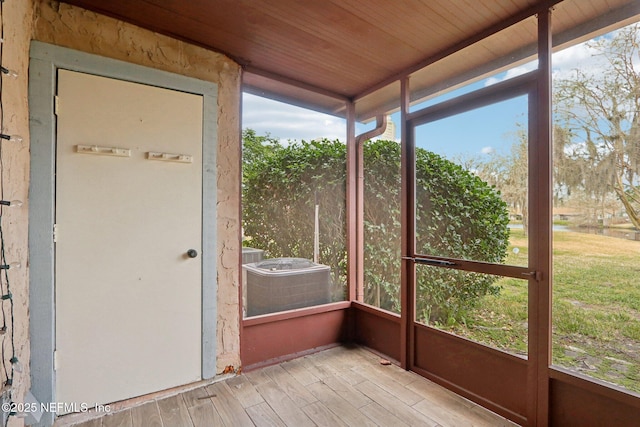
(596, 307)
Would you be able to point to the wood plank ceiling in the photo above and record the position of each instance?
(319, 53)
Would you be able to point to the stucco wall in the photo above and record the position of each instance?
(16, 28)
(79, 29)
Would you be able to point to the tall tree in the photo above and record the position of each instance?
(600, 108)
(508, 173)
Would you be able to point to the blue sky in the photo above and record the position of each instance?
(476, 133)
(454, 137)
(472, 134)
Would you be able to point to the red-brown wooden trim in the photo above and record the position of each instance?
(272, 338)
(525, 414)
(377, 330)
(505, 90)
(352, 203)
(293, 314)
(389, 315)
(540, 228)
(579, 402)
(596, 386)
(407, 229)
(295, 83)
(286, 357)
(488, 376)
(472, 344)
(481, 267)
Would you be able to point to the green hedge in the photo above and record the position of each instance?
(458, 215)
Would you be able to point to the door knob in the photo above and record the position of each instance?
(192, 253)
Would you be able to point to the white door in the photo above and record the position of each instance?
(128, 295)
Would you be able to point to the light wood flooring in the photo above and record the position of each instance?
(342, 386)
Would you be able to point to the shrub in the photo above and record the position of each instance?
(281, 186)
(458, 215)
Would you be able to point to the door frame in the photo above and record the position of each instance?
(45, 60)
(475, 370)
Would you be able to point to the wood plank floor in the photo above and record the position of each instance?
(343, 386)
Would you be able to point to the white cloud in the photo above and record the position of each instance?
(514, 72)
(564, 63)
(288, 122)
(585, 58)
(487, 150)
(581, 57)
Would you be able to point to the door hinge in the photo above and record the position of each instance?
(56, 105)
(55, 233)
(55, 360)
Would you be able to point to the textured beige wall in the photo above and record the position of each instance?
(16, 28)
(79, 29)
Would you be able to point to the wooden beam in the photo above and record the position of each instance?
(352, 204)
(407, 216)
(540, 226)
